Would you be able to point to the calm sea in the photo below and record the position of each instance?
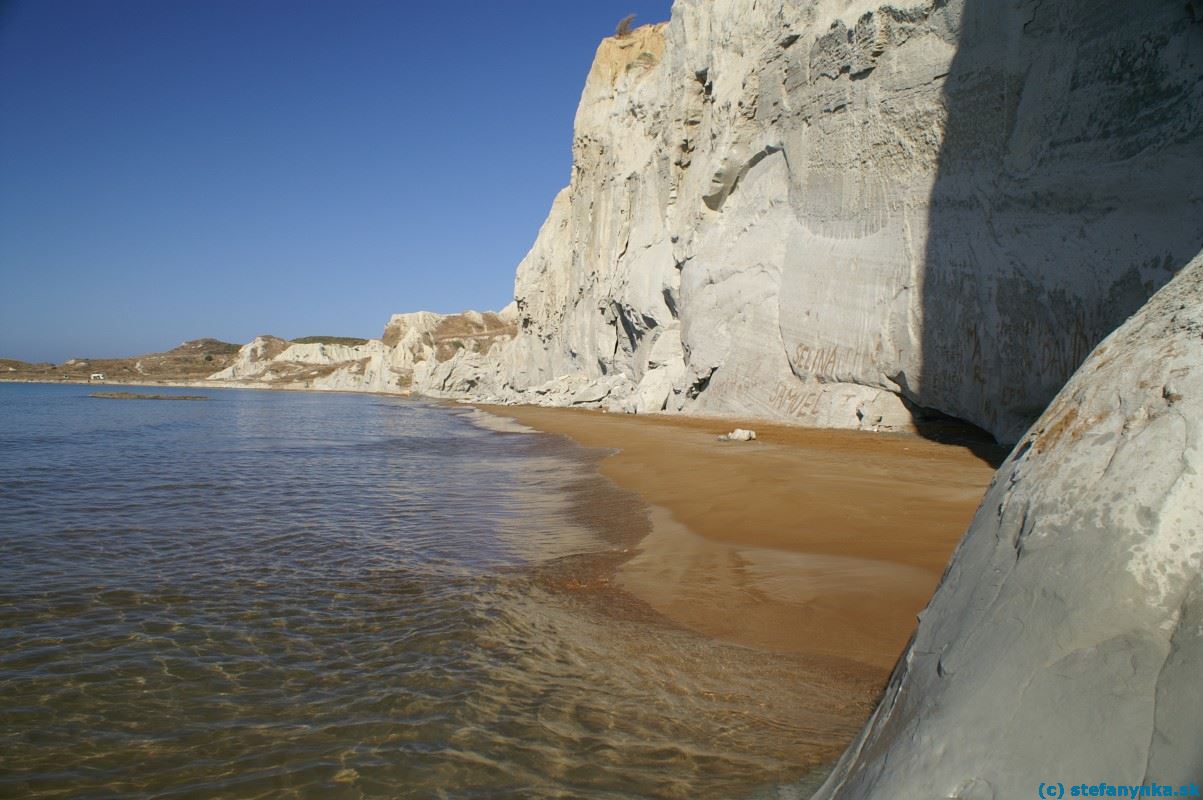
(273, 594)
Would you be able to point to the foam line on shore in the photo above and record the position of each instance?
(497, 423)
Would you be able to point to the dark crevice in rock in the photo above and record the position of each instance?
(937, 426)
(670, 301)
(699, 385)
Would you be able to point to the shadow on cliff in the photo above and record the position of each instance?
(945, 429)
(1067, 191)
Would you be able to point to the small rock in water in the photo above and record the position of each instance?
(738, 435)
(135, 396)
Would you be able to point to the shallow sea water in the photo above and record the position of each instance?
(274, 594)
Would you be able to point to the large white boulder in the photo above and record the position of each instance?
(1065, 640)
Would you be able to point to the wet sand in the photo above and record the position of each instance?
(821, 543)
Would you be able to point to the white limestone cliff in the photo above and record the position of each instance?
(843, 213)
(838, 212)
(412, 348)
(1065, 639)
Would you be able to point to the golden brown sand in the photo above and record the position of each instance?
(816, 542)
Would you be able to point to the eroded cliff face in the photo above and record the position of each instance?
(846, 213)
(837, 213)
(416, 349)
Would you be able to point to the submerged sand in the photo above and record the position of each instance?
(816, 542)
(136, 396)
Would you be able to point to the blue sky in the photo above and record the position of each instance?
(172, 169)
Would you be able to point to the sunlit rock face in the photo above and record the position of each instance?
(1064, 641)
(818, 211)
(415, 349)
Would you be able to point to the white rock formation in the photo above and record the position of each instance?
(810, 211)
(739, 435)
(419, 347)
(838, 213)
(253, 359)
(1065, 640)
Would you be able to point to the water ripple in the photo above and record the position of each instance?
(287, 595)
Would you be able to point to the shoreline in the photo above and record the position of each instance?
(805, 553)
(219, 385)
(815, 542)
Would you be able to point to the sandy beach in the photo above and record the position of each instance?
(822, 543)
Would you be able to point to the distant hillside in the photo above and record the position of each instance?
(192, 360)
(204, 346)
